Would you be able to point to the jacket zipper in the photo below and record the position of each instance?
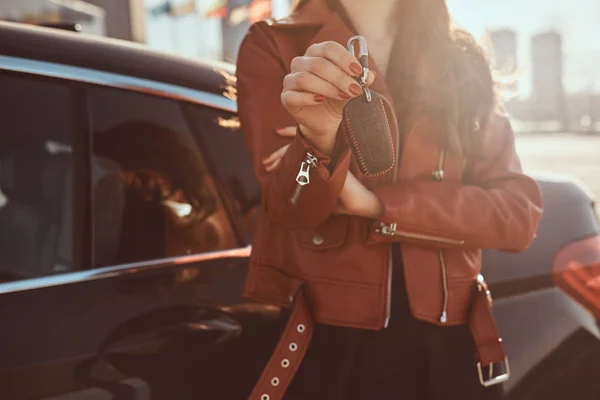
(438, 175)
(388, 306)
(444, 316)
(390, 230)
(303, 176)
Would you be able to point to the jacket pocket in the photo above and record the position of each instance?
(331, 234)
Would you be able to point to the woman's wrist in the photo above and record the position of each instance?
(358, 200)
(324, 142)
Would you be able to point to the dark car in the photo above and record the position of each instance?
(127, 207)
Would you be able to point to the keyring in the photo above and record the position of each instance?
(363, 59)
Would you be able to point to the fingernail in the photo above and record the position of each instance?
(356, 68)
(319, 98)
(344, 96)
(355, 89)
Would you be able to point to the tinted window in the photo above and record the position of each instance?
(153, 195)
(220, 132)
(36, 180)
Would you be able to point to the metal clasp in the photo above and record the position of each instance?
(481, 288)
(494, 380)
(363, 59)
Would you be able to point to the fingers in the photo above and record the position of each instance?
(335, 85)
(371, 78)
(293, 99)
(288, 131)
(277, 154)
(333, 81)
(271, 167)
(338, 55)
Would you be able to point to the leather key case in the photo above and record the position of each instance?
(367, 129)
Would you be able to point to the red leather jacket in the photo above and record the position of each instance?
(441, 208)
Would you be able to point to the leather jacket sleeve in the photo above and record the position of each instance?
(260, 73)
(498, 207)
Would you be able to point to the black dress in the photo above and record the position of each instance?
(409, 359)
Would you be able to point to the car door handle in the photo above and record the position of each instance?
(171, 321)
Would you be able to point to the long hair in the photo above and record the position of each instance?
(438, 69)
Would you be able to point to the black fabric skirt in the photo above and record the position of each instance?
(409, 359)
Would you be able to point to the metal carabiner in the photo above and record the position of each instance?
(363, 59)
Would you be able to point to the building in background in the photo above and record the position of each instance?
(121, 19)
(504, 56)
(548, 100)
(504, 50)
(92, 19)
(210, 29)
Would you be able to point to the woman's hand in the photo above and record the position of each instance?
(317, 88)
(357, 200)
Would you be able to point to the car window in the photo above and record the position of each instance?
(226, 149)
(36, 179)
(153, 195)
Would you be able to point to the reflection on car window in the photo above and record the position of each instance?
(153, 195)
(36, 163)
(226, 149)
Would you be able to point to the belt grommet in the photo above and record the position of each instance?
(301, 328)
(275, 381)
(285, 363)
(293, 346)
(265, 397)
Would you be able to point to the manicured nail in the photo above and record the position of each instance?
(344, 96)
(355, 89)
(319, 98)
(356, 68)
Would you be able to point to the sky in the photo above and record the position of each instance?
(577, 20)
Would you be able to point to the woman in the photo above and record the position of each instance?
(383, 274)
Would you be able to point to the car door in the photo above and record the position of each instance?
(125, 279)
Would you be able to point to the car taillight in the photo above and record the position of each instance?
(576, 271)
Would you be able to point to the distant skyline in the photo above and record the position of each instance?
(577, 20)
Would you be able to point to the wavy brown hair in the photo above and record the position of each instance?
(438, 69)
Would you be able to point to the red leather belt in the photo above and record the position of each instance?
(289, 352)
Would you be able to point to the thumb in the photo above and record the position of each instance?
(371, 78)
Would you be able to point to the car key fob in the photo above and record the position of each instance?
(366, 124)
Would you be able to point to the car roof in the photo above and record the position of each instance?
(113, 55)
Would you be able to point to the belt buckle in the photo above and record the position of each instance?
(494, 380)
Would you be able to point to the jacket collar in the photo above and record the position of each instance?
(317, 14)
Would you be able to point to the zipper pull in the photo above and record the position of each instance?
(303, 177)
(387, 230)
